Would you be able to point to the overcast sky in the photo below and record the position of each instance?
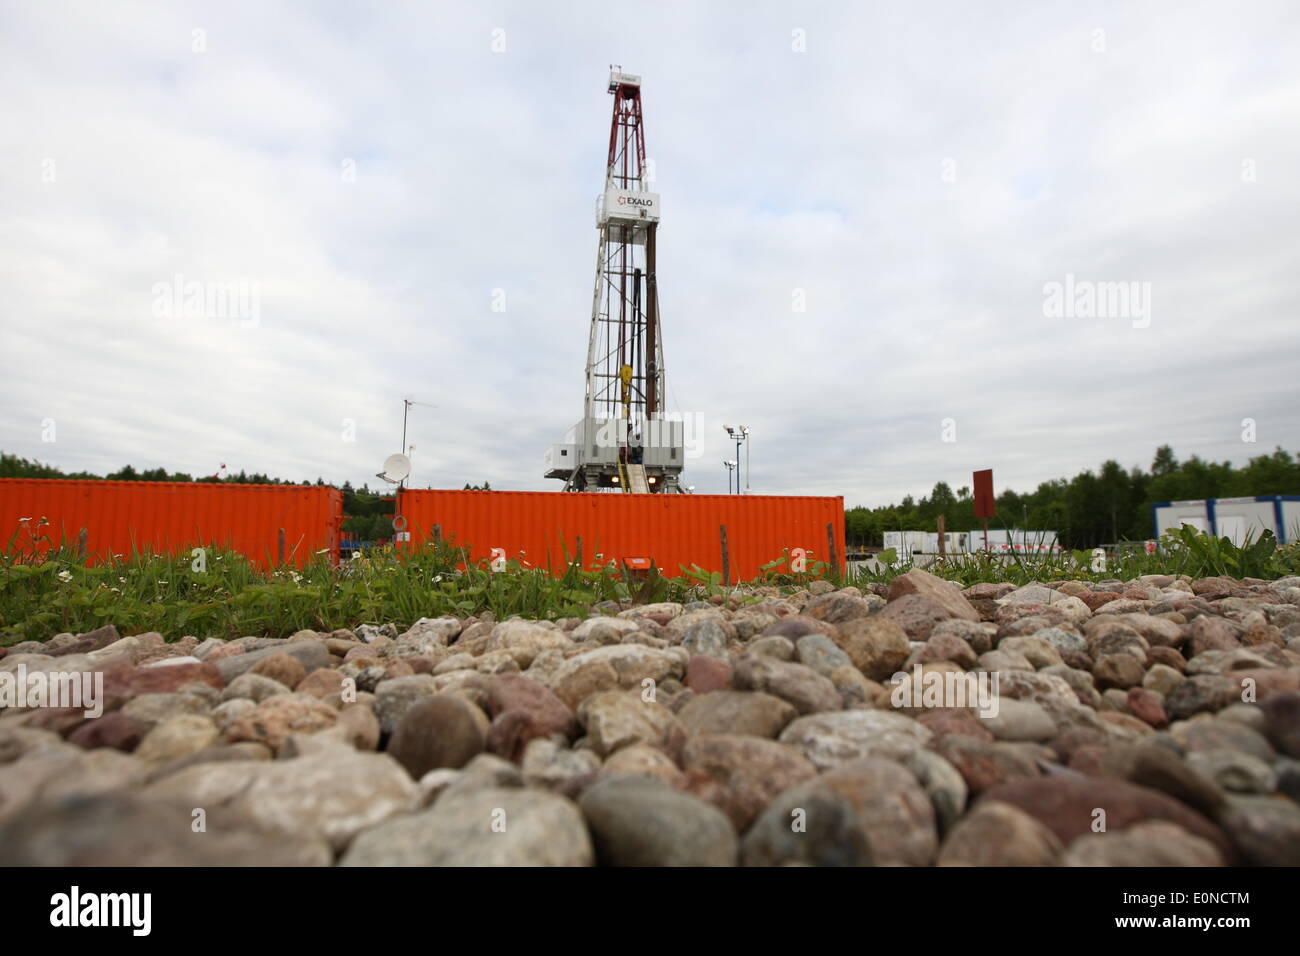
(375, 177)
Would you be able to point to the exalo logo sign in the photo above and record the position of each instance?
(631, 204)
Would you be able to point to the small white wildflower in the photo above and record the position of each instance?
(65, 576)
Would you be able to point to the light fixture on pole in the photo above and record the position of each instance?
(731, 466)
(738, 434)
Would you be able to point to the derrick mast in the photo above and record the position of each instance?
(623, 442)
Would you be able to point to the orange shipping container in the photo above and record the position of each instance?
(673, 530)
(171, 517)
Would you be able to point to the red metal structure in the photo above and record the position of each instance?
(269, 524)
(542, 528)
(288, 524)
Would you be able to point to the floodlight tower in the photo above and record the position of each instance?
(623, 442)
(739, 434)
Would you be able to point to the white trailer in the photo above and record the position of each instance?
(1237, 519)
(1015, 540)
(907, 544)
(1242, 519)
(1037, 542)
(1172, 515)
(954, 542)
(999, 540)
(1288, 529)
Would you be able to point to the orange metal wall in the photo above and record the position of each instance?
(174, 516)
(671, 529)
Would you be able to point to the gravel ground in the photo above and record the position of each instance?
(1154, 722)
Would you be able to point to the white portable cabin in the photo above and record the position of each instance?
(1015, 540)
(954, 542)
(1288, 530)
(906, 543)
(1037, 542)
(999, 540)
(1236, 519)
(1171, 515)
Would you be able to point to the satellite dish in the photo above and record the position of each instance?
(396, 468)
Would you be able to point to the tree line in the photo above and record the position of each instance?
(1108, 505)
(11, 466)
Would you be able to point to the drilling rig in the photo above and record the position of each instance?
(623, 442)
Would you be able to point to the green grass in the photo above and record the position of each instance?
(1184, 551)
(41, 596)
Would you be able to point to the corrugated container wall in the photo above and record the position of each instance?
(672, 530)
(171, 517)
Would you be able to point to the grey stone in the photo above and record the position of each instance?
(821, 654)
(832, 739)
(393, 698)
(736, 712)
(802, 686)
(773, 645)
(1265, 830)
(1152, 843)
(149, 710)
(1019, 720)
(1234, 770)
(255, 687)
(946, 787)
(122, 829)
(488, 826)
(1063, 640)
(707, 637)
(807, 826)
(551, 765)
(640, 821)
(311, 654)
(998, 834)
(332, 794)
